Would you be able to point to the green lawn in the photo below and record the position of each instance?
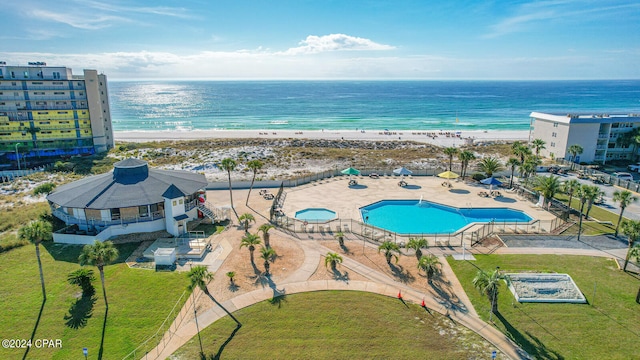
(139, 301)
(337, 325)
(607, 328)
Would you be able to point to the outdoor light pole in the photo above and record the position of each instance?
(18, 155)
(85, 351)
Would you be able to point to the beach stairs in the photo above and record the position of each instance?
(206, 212)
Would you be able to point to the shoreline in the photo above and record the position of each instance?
(435, 137)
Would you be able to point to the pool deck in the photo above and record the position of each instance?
(336, 194)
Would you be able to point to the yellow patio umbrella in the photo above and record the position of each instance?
(448, 175)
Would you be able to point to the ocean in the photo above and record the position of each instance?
(334, 105)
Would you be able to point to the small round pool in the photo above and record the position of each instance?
(424, 217)
(315, 214)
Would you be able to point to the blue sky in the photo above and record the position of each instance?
(300, 39)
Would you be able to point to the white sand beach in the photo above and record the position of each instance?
(435, 137)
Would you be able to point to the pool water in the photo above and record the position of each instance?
(424, 217)
(315, 214)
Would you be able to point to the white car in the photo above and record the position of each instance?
(623, 176)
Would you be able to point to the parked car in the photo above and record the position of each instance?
(623, 176)
(635, 167)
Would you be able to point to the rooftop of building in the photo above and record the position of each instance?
(131, 183)
(573, 118)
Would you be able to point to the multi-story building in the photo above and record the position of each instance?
(599, 135)
(46, 111)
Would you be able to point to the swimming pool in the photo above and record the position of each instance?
(315, 214)
(425, 217)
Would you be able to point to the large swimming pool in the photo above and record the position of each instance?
(424, 217)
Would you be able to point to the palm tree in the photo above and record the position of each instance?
(538, 144)
(245, 219)
(268, 255)
(582, 193)
(450, 152)
(36, 232)
(83, 278)
(570, 187)
(332, 259)
(490, 165)
(418, 244)
(511, 164)
(254, 165)
(250, 241)
(99, 255)
(340, 236)
(464, 157)
(265, 233)
(430, 265)
(229, 165)
(520, 150)
(231, 275)
(574, 150)
(593, 194)
(631, 228)
(389, 249)
(549, 186)
(489, 285)
(529, 167)
(630, 138)
(625, 198)
(199, 276)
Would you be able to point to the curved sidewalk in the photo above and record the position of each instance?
(379, 283)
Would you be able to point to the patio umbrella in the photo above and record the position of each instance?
(402, 171)
(491, 181)
(448, 175)
(350, 171)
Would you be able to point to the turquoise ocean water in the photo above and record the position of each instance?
(402, 105)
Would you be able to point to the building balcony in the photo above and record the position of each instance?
(101, 224)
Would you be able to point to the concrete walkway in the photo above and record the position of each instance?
(454, 304)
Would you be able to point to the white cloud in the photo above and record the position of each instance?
(544, 13)
(334, 42)
(73, 20)
(263, 63)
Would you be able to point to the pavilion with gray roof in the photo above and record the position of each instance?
(131, 198)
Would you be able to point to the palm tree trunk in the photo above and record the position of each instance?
(104, 290)
(626, 259)
(266, 267)
(494, 302)
(251, 187)
(266, 240)
(418, 254)
(231, 195)
(619, 219)
(44, 293)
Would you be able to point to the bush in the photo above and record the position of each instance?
(478, 176)
(45, 188)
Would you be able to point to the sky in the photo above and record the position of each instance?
(327, 39)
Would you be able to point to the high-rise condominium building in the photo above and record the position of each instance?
(47, 112)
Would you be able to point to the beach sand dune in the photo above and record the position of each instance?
(435, 137)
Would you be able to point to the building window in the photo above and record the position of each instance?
(553, 144)
(175, 203)
(56, 75)
(553, 134)
(555, 124)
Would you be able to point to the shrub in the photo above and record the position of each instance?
(478, 176)
(45, 188)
